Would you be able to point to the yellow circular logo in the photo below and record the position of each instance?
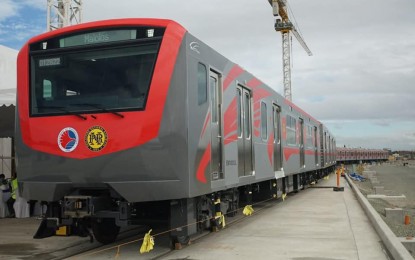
(96, 138)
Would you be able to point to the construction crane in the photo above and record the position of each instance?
(285, 26)
(61, 13)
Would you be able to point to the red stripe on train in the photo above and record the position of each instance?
(290, 151)
(200, 173)
(233, 73)
(207, 119)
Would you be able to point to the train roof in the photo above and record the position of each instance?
(157, 22)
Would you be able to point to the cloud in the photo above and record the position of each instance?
(26, 20)
(37, 4)
(375, 137)
(387, 141)
(18, 31)
(8, 8)
(382, 122)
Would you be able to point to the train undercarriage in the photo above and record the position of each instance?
(100, 215)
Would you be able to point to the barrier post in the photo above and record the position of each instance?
(407, 220)
(338, 177)
(338, 188)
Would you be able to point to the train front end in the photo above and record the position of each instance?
(92, 134)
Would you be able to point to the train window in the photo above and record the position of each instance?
(325, 141)
(47, 89)
(239, 100)
(309, 136)
(264, 124)
(247, 112)
(291, 130)
(88, 81)
(214, 98)
(201, 83)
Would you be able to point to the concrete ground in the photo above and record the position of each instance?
(16, 241)
(316, 223)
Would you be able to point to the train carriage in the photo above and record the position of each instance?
(125, 121)
(359, 155)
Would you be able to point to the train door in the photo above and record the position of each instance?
(302, 159)
(245, 164)
(315, 146)
(276, 119)
(216, 127)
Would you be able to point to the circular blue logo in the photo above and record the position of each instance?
(68, 139)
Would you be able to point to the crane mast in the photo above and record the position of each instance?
(285, 26)
(61, 13)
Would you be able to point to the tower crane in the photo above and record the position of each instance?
(61, 13)
(285, 26)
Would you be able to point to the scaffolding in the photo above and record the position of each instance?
(61, 13)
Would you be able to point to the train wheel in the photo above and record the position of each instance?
(104, 229)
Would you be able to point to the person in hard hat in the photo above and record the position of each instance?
(12, 199)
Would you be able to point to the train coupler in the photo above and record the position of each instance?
(77, 206)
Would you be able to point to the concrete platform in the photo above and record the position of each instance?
(311, 224)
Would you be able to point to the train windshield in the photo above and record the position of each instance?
(90, 80)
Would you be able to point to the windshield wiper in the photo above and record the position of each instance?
(99, 107)
(64, 110)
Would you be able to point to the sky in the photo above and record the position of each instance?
(359, 81)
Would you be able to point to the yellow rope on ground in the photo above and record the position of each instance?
(117, 255)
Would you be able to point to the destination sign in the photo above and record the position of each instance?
(98, 37)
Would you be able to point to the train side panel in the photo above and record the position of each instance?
(265, 158)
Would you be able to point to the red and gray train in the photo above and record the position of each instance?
(360, 155)
(130, 121)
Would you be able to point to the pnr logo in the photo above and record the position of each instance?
(96, 138)
(68, 139)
